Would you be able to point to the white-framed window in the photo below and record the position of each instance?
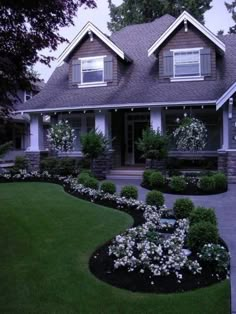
(92, 70)
(187, 63)
(27, 95)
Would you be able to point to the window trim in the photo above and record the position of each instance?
(190, 77)
(95, 83)
(28, 93)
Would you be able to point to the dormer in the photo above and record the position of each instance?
(94, 60)
(187, 51)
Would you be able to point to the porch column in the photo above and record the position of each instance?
(225, 139)
(36, 133)
(156, 119)
(101, 121)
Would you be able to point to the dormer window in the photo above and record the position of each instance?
(27, 96)
(187, 63)
(92, 70)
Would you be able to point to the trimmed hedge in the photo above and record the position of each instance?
(200, 234)
(207, 184)
(220, 181)
(91, 183)
(183, 207)
(61, 166)
(201, 214)
(178, 184)
(146, 176)
(155, 198)
(108, 187)
(156, 180)
(129, 191)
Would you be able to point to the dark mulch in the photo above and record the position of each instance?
(101, 265)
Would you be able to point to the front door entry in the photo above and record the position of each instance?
(135, 123)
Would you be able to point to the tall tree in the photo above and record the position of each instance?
(231, 7)
(26, 28)
(143, 11)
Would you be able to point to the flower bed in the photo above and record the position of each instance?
(153, 255)
(186, 184)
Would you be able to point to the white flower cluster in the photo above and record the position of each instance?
(61, 137)
(191, 135)
(143, 248)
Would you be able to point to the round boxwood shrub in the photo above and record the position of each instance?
(178, 184)
(200, 234)
(207, 184)
(156, 180)
(155, 198)
(200, 214)
(91, 183)
(146, 176)
(129, 191)
(88, 171)
(220, 181)
(183, 207)
(82, 177)
(108, 187)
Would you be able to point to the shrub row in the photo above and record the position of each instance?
(207, 183)
(203, 224)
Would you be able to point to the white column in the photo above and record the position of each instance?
(101, 121)
(225, 139)
(156, 119)
(36, 133)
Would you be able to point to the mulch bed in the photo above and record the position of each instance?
(190, 190)
(101, 265)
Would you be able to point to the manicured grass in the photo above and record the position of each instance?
(46, 238)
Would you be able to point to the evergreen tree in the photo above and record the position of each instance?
(231, 7)
(144, 11)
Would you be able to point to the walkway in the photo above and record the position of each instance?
(225, 206)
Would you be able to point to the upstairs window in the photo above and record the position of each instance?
(187, 63)
(27, 96)
(92, 70)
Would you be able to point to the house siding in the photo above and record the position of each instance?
(191, 39)
(232, 129)
(95, 48)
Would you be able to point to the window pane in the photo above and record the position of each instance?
(187, 70)
(95, 76)
(92, 64)
(187, 57)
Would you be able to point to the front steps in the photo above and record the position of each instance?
(125, 173)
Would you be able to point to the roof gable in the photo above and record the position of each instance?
(185, 16)
(88, 28)
(229, 93)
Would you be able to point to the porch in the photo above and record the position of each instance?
(123, 126)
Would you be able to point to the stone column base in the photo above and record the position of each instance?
(155, 164)
(102, 165)
(227, 164)
(34, 159)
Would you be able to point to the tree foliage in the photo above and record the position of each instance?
(26, 28)
(231, 7)
(143, 11)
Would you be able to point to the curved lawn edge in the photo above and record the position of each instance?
(137, 220)
(82, 292)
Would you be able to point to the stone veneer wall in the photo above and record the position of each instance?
(34, 159)
(102, 165)
(227, 164)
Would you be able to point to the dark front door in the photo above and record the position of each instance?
(138, 129)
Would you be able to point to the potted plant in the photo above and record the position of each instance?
(154, 147)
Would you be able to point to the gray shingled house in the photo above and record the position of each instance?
(146, 74)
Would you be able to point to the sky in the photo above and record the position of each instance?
(215, 19)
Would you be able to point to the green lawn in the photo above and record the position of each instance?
(46, 238)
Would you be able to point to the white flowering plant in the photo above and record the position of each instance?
(61, 137)
(190, 135)
(217, 255)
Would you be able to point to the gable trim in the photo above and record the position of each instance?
(229, 93)
(89, 27)
(186, 16)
